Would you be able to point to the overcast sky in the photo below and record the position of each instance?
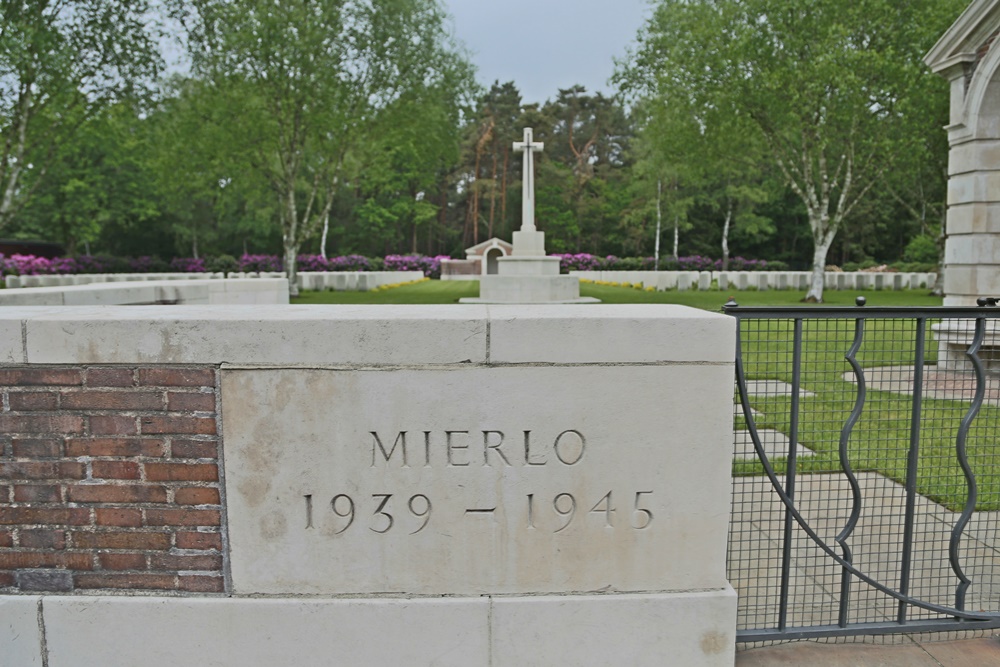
(544, 45)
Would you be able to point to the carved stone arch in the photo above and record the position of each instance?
(984, 94)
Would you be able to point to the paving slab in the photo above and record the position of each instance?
(801, 654)
(907, 653)
(967, 653)
(774, 388)
(776, 444)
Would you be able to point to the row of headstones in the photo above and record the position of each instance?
(762, 280)
(91, 278)
(360, 281)
(317, 280)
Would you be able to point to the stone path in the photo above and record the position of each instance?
(909, 653)
(775, 444)
(756, 535)
(774, 388)
(950, 385)
(825, 501)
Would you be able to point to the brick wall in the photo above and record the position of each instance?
(109, 479)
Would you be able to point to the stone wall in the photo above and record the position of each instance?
(416, 485)
(109, 479)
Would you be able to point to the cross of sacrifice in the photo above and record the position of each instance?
(529, 148)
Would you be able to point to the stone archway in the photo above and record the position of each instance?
(968, 55)
(492, 264)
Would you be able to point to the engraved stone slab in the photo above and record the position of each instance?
(481, 480)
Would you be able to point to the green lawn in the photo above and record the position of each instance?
(438, 291)
(880, 440)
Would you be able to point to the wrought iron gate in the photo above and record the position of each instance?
(866, 472)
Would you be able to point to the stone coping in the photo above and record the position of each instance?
(199, 291)
(355, 336)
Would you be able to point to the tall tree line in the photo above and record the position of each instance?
(808, 135)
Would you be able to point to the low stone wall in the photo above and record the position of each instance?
(190, 292)
(91, 278)
(762, 280)
(360, 281)
(448, 485)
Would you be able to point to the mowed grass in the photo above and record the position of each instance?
(450, 291)
(880, 440)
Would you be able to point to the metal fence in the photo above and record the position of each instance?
(866, 471)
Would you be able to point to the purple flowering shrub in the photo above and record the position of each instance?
(586, 262)
(260, 263)
(349, 263)
(188, 265)
(431, 266)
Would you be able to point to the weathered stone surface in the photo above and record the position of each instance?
(321, 500)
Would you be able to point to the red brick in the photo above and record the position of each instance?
(197, 584)
(115, 470)
(43, 539)
(183, 517)
(110, 377)
(180, 424)
(196, 495)
(5, 493)
(37, 448)
(125, 580)
(202, 541)
(69, 424)
(117, 561)
(112, 425)
(6, 538)
(26, 377)
(15, 560)
(103, 447)
(111, 400)
(194, 449)
(190, 402)
(112, 493)
(154, 447)
(42, 470)
(131, 541)
(68, 516)
(177, 377)
(118, 516)
(171, 562)
(37, 493)
(7, 580)
(182, 472)
(35, 400)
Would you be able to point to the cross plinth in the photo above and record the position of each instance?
(528, 275)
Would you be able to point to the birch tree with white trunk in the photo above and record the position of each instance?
(61, 64)
(829, 86)
(305, 83)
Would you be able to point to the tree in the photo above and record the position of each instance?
(61, 64)
(828, 86)
(303, 84)
(98, 178)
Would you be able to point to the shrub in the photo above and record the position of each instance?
(312, 263)
(259, 263)
(222, 264)
(921, 249)
(431, 266)
(348, 263)
(147, 264)
(188, 265)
